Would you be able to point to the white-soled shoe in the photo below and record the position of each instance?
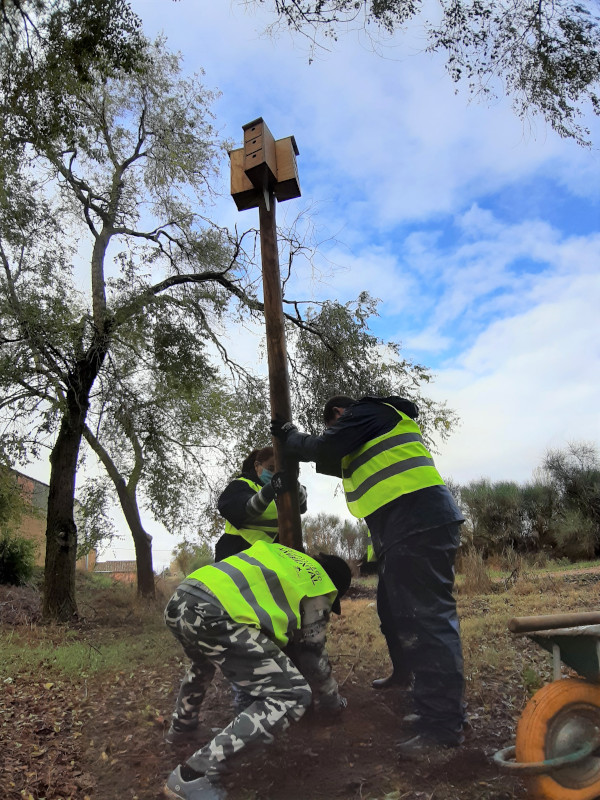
(200, 789)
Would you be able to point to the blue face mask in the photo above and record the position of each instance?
(265, 477)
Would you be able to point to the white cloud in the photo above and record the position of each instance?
(382, 140)
(528, 383)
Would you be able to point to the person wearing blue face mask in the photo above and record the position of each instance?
(248, 504)
(248, 507)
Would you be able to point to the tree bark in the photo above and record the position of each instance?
(59, 603)
(142, 541)
(126, 493)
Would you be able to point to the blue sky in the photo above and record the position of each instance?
(479, 232)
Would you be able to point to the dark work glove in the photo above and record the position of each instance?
(281, 483)
(280, 428)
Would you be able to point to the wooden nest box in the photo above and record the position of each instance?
(263, 165)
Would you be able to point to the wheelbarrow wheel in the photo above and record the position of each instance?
(558, 720)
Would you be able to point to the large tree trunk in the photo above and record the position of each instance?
(59, 604)
(141, 540)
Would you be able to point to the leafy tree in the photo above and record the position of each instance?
(95, 525)
(544, 54)
(494, 515)
(574, 475)
(353, 539)
(47, 47)
(17, 554)
(121, 352)
(328, 533)
(541, 507)
(11, 500)
(575, 535)
(17, 558)
(136, 176)
(190, 556)
(161, 434)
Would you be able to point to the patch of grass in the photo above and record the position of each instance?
(564, 565)
(355, 636)
(110, 603)
(536, 564)
(66, 654)
(532, 680)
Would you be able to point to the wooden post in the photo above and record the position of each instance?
(261, 171)
(288, 508)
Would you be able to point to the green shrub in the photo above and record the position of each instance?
(17, 557)
(576, 535)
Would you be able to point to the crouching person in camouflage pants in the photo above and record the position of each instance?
(238, 614)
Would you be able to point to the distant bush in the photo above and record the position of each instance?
(190, 556)
(17, 556)
(576, 536)
(476, 576)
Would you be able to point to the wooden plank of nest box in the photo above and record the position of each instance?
(242, 190)
(288, 182)
(260, 160)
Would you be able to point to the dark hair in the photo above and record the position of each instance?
(261, 455)
(339, 401)
(340, 575)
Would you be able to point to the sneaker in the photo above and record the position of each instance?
(175, 737)
(421, 745)
(199, 789)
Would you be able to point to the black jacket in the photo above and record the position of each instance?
(365, 420)
(368, 418)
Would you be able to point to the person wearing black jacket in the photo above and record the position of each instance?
(390, 480)
(248, 504)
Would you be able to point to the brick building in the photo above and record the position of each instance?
(33, 521)
(124, 571)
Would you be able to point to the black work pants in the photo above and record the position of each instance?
(396, 647)
(417, 576)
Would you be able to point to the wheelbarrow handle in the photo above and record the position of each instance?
(502, 759)
(550, 621)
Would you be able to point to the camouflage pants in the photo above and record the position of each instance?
(249, 660)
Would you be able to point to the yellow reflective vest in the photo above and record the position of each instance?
(260, 529)
(370, 551)
(264, 586)
(387, 467)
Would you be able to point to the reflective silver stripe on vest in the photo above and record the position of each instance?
(387, 472)
(242, 584)
(273, 584)
(380, 447)
(259, 526)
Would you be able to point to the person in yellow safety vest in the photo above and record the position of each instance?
(248, 504)
(389, 479)
(238, 614)
(248, 507)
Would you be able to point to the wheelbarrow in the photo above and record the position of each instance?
(557, 747)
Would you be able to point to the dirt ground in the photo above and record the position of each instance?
(99, 739)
